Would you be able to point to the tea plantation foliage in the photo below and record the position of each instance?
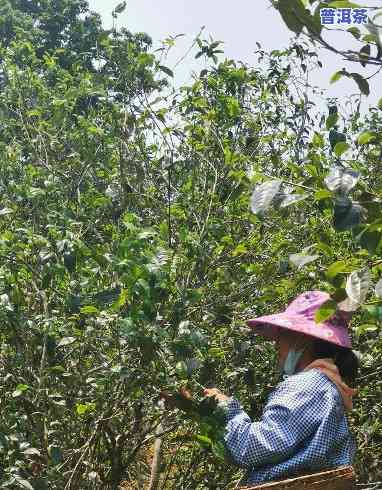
(140, 226)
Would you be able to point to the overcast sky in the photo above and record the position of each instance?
(239, 24)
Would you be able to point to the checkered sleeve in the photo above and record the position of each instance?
(230, 408)
(290, 419)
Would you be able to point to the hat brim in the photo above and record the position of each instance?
(269, 326)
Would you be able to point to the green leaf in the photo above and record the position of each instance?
(5, 211)
(89, 310)
(215, 44)
(57, 369)
(300, 260)
(343, 4)
(106, 297)
(366, 327)
(241, 249)
(120, 8)
(296, 16)
(336, 268)
(83, 408)
(336, 76)
(203, 439)
(166, 70)
(318, 140)
(121, 301)
(158, 261)
(362, 83)
(365, 138)
(3, 442)
(20, 389)
(335, 137)
(23, 483)
(368, 38)
(147, 233)
(322, 194)
(317, 23)
(216, 352)
(197, 338)
(369, 240)
(380, 104)
(325, 311)
(66, 341)
(374, 311)
(288, 14)
(219, 450)
(364, 53)
(341, 147)
(181, 369)
(355, 32)
(35, 192)
(331, 120)
(293, 199)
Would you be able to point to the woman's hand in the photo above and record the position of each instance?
(220, 397)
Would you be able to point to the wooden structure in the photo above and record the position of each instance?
(339, 479)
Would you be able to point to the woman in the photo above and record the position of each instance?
(303, 428)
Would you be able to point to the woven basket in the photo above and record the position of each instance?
(338, 479)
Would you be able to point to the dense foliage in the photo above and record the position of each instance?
(303, 17)
(141, 226)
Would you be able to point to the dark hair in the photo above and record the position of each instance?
(344, 358)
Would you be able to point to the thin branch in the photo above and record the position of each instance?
(373, 75)
(190, 49)
(210, 203)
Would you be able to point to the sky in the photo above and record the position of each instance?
(240, 24)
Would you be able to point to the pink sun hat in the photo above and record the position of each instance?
(299, 317)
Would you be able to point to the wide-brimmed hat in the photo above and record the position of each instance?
(299, 317)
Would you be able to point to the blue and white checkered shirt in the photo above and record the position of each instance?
(303, 429)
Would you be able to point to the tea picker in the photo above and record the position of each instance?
(302, 439)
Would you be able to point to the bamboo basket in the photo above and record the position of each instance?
(339, 479)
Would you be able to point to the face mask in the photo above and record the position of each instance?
(291, 361)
